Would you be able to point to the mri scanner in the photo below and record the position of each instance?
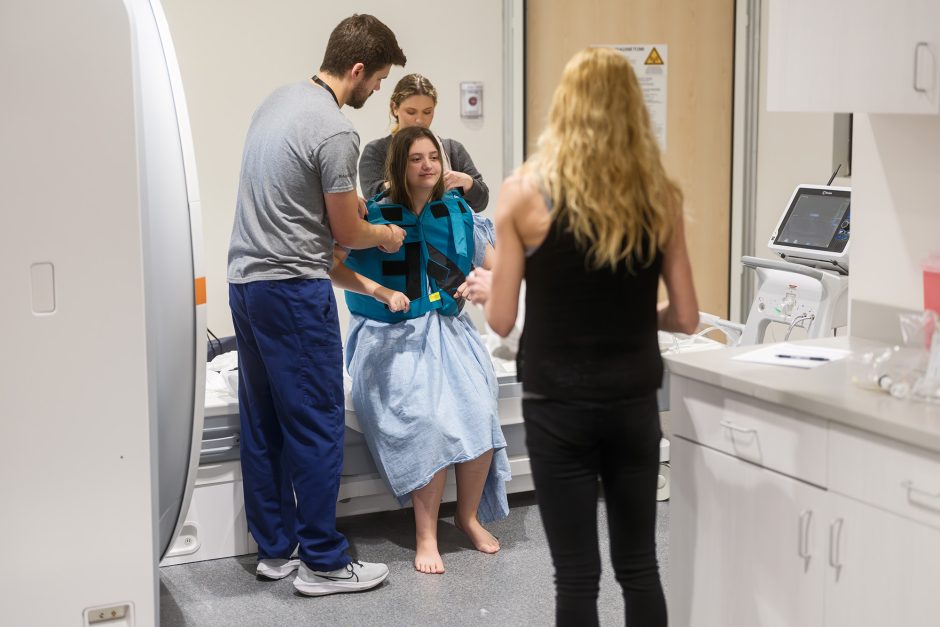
(102, 310)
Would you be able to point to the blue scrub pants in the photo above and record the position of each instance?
(290, 395)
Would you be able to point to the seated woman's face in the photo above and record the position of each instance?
(415, 111)
(424, 165)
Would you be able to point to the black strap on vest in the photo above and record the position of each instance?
(410, 267)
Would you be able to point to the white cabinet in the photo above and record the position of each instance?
(745, 543)
(759, 536)
(884, 506)
(874, 56)
(885, 569)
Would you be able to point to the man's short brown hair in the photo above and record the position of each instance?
(361, 39)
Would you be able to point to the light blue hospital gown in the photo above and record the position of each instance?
(424, 391)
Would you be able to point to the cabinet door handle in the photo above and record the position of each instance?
(835, 540)
(912, 489)
(805, 519)
(920, 44)
(727, 424)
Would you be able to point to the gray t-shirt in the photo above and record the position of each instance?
(299, 147)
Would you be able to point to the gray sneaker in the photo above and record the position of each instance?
(353, 577)
(276, 568)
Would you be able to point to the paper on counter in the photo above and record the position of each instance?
(793, 355)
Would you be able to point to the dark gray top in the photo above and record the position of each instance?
(299, 147)
(372, 170)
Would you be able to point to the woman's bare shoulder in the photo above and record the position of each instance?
(522, 203)
(520, 192)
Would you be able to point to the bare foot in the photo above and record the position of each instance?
(428, 559)
(482, 539)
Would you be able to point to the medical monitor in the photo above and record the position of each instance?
(815, 227)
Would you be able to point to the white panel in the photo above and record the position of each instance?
(75, 457)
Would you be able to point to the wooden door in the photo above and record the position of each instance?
(700, 40)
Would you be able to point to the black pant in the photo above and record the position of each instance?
(571, 444)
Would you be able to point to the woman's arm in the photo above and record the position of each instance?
(465, 175)
(680, 312)
(343, 277)
(499, 290)
(372, 167)
(489, 256)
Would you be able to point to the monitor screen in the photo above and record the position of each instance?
(815, 220)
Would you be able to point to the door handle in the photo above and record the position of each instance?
(913, 490)
(727, 424)
(920, 44)
(835, 541)
(803, 538)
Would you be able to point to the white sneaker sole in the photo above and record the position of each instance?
(335, 587)
(277, 573)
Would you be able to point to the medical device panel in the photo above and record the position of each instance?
(814, 229)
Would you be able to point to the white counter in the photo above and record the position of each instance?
(825, 391)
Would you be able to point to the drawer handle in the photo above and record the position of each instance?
(727, 424)
(803, 544)
(835, 540)
(920, 44)
(912, 489)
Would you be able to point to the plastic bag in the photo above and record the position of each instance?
(906, 371)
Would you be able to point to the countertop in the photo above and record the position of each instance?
(825, 392)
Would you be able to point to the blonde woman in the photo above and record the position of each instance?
(412, 104)
(592, 222)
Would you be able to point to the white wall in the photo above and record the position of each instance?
(895, 208)
(232, 54)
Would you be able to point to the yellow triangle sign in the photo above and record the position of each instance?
(654, 58)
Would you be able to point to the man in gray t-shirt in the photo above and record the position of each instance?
(299, 147)
(296, 196)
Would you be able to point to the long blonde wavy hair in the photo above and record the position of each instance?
(601, 164)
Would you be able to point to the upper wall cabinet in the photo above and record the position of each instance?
(851, 56)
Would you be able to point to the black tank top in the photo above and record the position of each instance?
(589, 334)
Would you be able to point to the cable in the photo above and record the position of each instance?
(214, 352)
(794, 323)
(833, 177)
(678, 345)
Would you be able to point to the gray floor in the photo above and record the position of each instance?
(513, 587)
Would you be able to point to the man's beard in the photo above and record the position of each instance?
(359, 95)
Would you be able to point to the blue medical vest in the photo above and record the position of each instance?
(435, 258)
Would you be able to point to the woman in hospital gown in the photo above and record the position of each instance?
(423, 387)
